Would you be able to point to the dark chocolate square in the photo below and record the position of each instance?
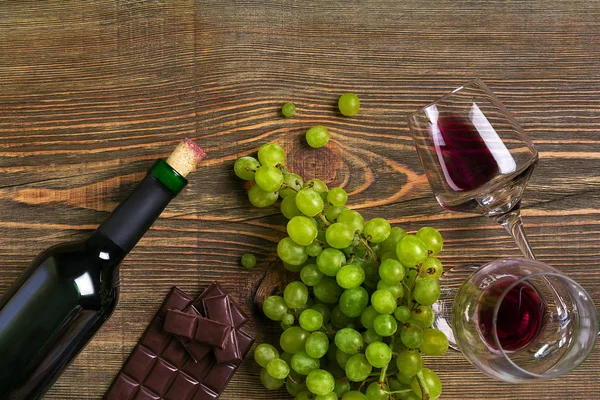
(175, 353)
(161, 377)
(183, 388)
(140, 363)
(155, 338)
(180, 324)
(145, 394)
(123, 388)
(218, 376)
(205, 393)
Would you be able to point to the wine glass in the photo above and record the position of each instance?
(518, 320)
(477, 159)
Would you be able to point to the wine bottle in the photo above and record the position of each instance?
(52, 311)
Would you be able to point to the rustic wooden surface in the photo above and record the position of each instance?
(92, 91)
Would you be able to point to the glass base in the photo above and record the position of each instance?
(450, 281)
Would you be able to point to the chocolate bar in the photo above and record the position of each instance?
(160, 367)
(197, 328)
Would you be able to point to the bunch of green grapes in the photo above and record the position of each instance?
(357, 322)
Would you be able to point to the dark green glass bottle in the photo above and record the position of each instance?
(57, 305)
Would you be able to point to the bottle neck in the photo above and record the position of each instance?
(133, 217)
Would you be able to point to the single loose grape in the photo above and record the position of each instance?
(264, 353)
(291, 252)
(289, 208)
(310, 275)
(327, 290)
(269, 382)
(354, 301)
(245, 167)
(370, 336)
(431, 381)
(349, 104)
(330, 261)
(302, 363)
(397, 290)
(377, 230)
(324, 310)
(314, 249)
(378, 354)
(271, 154)
(383, 301)
(320, 382)
(432, 268)
(350, 276)
(278, 368)
(295, 294)
(292, 184)
(337, 196)
(409, 362)
(435, 342)
(423, 316)
(354, 395)
(316, 345)
(411, 251)
(274, 307)
(427, 291)
(402, 313)
(411, 335)
(339, 235)
(432, 239)
(260, 198)
(385, 325)
(358, 368)
(376, 391)
(268, 178)
(302, 230)
(310, 320)
(288, 109)
(368, 316)
(317, 136)
(309, 202)
(391, 272)
(349, 340)
(249, 260)
(353, 219)
(392, 240)
(293, 339)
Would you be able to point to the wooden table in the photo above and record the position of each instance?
(92, 91)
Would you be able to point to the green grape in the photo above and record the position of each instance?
(327, 290)
(268, 178)
(389, 255)
(317, 136)
(391, 242)
(309, 202)
(249, 260)
(427, 291)
(284, 326)
(432, 268)
(349, 104)
(409, 363)
(337, 196)
(302, 363)
(293, 339)
(302, 230)
(245, 167)
(260, 198)
(410, 396)
(293, 268)
(385, 325)
(432, 382)
(304, 395)
(324, 310)
(404, 379)
(375, 391)
(396, 290)
(269, 382)
(378, 354)
(271, 154)
(264, 353)
(314, 249)
(368, 316)
(411, 335)
(411, 251)
(377, 230)
(278, 368)
(295, 294)
(339, 235)
(320, 382)
(291, 252)
(287, 357)
(349, 340)
(350, 276)
(422, 316)
(275, 308)
(289, 208)
(288, 110)
(310, 320)
(353, 219)
(383, 301)
(316, 345)
(309, 303)
(432, 239)
(288, 319)
(394, 384)
(354, 395)
(330, 261)
(358, 368)
(391, 272)
(411, 276)
(333, 212)
(318, 186)
(294, 388)
(435, 342)
(354, 301)
(342, 358)
(292, 184)
(329, 396)
(402, 313)
(310, 275)
(341, 320)
(341, 387)
(370, 336)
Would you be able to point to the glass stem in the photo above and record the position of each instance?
(512, 222)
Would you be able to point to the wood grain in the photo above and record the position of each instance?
(91, 92)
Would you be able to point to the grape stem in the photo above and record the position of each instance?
(288, 186)
(423, 386)
(369, 249)
(382, 375)
(322, 217)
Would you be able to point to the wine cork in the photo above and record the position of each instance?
(186, 157)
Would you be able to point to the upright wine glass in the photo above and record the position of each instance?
(477, 159)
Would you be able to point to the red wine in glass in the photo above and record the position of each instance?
(519, 318)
